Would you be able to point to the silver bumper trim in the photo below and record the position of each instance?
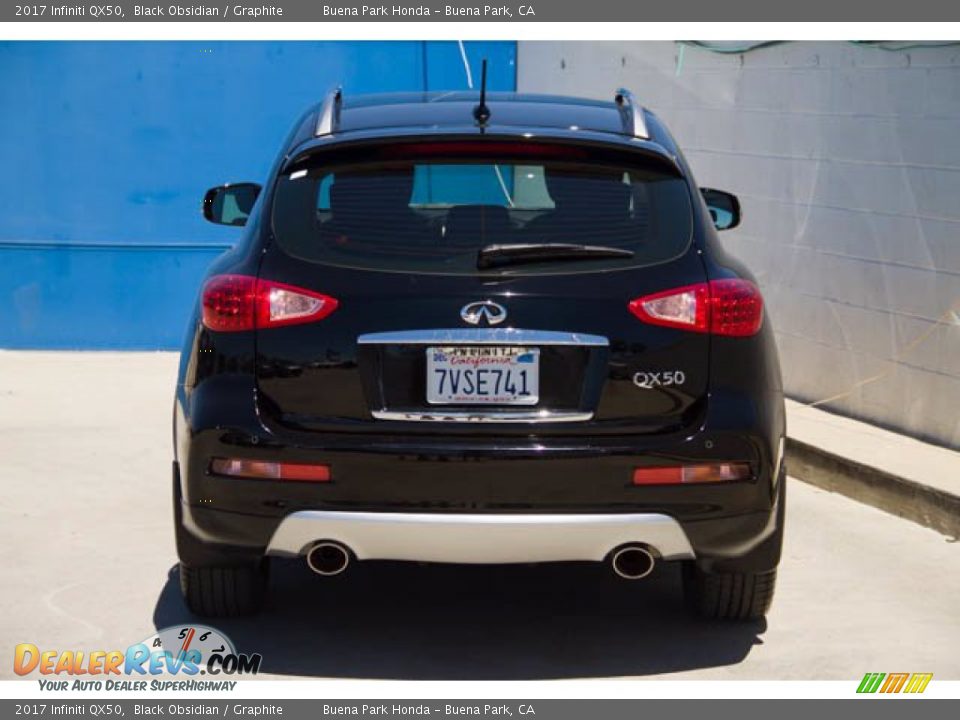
(479, 538)
(528, 416)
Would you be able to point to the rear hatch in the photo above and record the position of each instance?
(482, 287)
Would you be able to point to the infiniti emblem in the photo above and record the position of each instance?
(475, 311)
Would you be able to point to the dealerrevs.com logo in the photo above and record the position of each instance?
(889, 683)
(184, 650)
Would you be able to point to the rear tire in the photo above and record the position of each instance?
(223, 591)
(729, 595)
(216, 581)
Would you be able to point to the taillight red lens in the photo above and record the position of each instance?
(229, 302)
(260, 470)
(731, 307)
(736, 308)
(232, 303)
(684, 474)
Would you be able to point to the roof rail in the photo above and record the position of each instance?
(329, 117)
(633, 121)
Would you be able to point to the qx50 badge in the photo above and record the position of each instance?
(493, 313)
(651, 380)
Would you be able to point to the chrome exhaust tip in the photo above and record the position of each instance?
(633, 562)
(328, 558)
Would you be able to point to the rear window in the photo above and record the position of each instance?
(442, 214)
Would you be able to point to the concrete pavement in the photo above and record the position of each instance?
(899, 474)
(86, 546)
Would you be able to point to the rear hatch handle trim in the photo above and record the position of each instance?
(482, 336)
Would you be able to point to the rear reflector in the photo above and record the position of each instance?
(731, 307)
(257, 469)
(233, 303)
(700, 473)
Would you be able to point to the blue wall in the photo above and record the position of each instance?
(108, 147)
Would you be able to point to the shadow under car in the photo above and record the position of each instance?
(383, 620)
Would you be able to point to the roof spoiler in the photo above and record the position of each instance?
(329, 118)
(631, 111)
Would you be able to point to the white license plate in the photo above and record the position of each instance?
(483, 375)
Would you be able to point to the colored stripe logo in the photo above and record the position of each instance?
(894, 683)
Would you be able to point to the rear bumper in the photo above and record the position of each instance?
(483, 538)
(689, 523)
(446, 498)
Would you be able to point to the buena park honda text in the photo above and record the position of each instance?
(479, 328)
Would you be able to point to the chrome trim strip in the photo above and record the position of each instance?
(329, 116)
(480, 538)
(478, 415)
(482, 336)
(636, 123)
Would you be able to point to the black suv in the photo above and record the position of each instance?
(468, 328)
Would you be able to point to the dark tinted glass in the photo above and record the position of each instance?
(436, 216)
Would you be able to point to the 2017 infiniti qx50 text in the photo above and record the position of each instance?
(479, 329)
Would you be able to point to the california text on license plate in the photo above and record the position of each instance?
(483, 375)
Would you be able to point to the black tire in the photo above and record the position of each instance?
(223, 591)
(729, 595)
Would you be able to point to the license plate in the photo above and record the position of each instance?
(463, 375)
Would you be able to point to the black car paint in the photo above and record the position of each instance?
(229, 400)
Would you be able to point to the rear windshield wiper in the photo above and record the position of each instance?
(499, 255)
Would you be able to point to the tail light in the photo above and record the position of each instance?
(259, 470)
(731, 307)
(232, 303)
(699, 473)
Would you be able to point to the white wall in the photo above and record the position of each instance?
(847, 161)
